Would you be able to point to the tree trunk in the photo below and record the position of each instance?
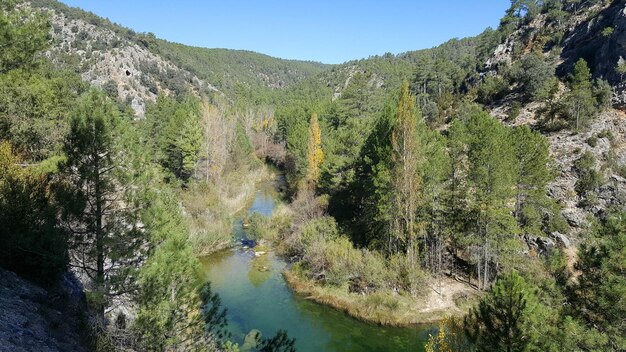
(99, 238)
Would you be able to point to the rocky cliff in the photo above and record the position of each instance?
(36, 319)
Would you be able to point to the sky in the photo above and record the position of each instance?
(322, 30)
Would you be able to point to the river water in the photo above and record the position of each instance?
(257, 297)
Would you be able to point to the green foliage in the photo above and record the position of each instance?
(607, 31)
(533, 172)
(293, 129)
(581, 76)
(603, 92)
(32, 241)
(278, 343)
(248, 75)
(35, 107)
(589, 179)
(491, 174)
(406, 157)
(500, 322)
(492, 89)
(601, 286)
(584, 100)
(534, 75)
(177, 134)
(94, 152)
(23, 33)
(169, 296)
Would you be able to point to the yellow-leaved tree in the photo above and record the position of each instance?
(315, 155)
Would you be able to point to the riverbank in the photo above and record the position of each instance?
(210, 209)
(251, 285)
(385, 308)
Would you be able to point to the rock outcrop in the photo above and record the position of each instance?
(124, 69)
(36, 319)
(601, 41)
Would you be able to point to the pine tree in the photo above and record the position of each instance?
(581, 76)
(532, 174)
(434, 171)
(579, 103)
(99, 242)
(23, 32)
(499, 323)
(600, 290)
(485, 176)
(315, 155)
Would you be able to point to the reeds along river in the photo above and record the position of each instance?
(257, 297)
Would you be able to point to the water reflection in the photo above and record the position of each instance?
(257, 297)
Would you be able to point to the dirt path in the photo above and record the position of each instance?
(444, 296)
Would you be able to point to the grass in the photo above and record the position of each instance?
(210, 208)
(381, 308)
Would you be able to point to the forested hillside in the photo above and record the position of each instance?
(479, 185)
(135, 67)
(498, 163)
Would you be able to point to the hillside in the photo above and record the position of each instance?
(135, 67)
(464, 69)
(238, 71)
(479, 179)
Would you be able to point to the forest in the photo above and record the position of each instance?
(408, 178)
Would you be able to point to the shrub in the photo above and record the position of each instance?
(31, 241)
(514, 111)
(592, 141)
(492, 88)
(406, 278)
(374, 271)
(589, 179)
(608, 31)
(533, 74)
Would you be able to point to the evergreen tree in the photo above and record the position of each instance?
(600, 290)
(532, 174)
(432, 209)
(100, 241)
(177, 134)
(23, 33)
(579, 103)
(372, 187)
(500, 321)
(485, 155)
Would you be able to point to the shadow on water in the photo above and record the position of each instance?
(257, 297)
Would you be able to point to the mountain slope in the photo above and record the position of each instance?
(446, 77)
(135, 67)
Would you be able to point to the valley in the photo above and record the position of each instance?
(156, 196)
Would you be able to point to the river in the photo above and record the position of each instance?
(257, 297)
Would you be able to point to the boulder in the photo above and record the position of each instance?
(560, 239)
(546, 245)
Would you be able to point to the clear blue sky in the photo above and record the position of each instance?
(321, 30)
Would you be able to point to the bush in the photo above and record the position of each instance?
(374, 272)
(514, 112)
(589, 179)
(31, 241)
(493, 88)
(533, 74)
(326, 255)
(606, 134)
(592, 141)
(404, 277)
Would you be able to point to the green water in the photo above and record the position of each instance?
(257, 297)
